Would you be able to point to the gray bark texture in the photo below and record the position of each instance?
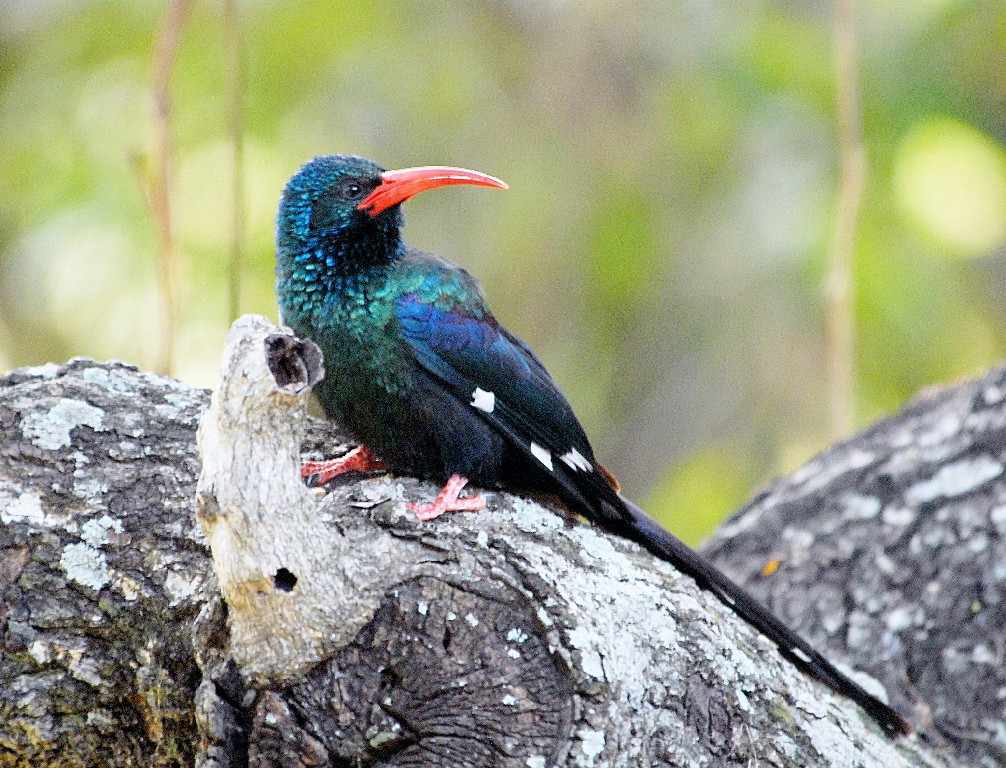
(161, 610)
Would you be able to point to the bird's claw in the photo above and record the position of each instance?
(448, 501)
(360, 459)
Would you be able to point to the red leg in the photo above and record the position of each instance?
(448, 501)
(360, 459)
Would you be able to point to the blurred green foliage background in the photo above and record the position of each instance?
(673, 168)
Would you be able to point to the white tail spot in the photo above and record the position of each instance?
(542, 455)
(800, 654)
(575, 460)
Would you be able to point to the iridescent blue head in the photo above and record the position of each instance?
(341, 215)
(322, 232)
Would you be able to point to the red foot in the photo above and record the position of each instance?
(448, 501)
(360, 459)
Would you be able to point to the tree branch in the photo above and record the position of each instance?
(352, 634)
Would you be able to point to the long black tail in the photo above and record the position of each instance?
(644, 530)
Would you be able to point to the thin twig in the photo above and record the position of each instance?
(160, 178)
(839, 287)
(235, 72)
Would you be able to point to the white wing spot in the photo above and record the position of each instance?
(542, 455)
(575, 460)
(484, 401)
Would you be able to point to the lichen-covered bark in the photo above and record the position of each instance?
(101, 567)
(513, 636)
(896, 542)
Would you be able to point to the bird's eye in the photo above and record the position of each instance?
(351, 190)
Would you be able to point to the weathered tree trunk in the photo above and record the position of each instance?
(891, 553)
(351, 634)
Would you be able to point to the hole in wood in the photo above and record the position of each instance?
(284, 580)
(294, 363)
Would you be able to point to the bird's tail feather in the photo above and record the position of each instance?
(646, 531)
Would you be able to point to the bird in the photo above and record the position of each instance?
(431, 385)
